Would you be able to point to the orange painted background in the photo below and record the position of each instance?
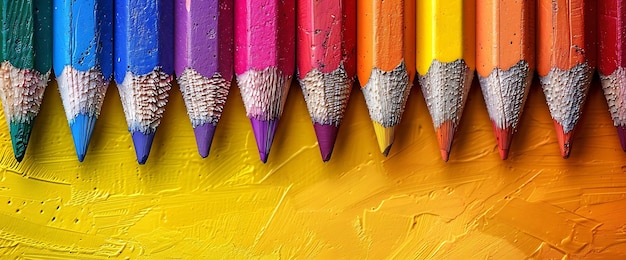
(359, 205)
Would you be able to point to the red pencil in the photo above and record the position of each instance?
(612, 61)
(326, 63)
(565, 61)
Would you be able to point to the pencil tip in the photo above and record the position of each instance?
(445, 155)
(565, 139)
(264, 134)
(445, 136)
(143, 143)
(503, 137)
(326, 136)
(82, 128)
(385, 137)
(621, 132)
(20, 134)
(386, 151)
(204, 138)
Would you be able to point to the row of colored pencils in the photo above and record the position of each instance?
(383, 44)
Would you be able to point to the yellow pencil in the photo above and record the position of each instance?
(445, 62)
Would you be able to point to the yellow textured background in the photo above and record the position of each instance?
(359, 205)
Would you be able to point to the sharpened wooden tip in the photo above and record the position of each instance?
(503, 137)
(445, 135)
(565, 139)
(385, 136)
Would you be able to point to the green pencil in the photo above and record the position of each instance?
(25, 53)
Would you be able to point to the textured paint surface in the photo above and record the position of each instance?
(386, 62)
(25, 56)
(505, 62)
(326, 63)
(265, 38)
(144, 61)
(203, 57)
(445, 62)
(566, 59)
(83, 62)
(612, 61)
(358, 205)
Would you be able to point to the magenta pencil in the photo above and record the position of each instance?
(204, 62)
(264, 63)
(326, 63)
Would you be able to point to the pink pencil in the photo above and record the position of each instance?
(264, 63)
(326, 63)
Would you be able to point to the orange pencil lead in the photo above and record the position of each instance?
(445, 135)
(565, 139)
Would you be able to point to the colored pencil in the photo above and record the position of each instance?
(204, 62)
(26, 56)
(82, 62)
(612, 61)
(505, 62)
(326, 64)
(445, 62)
(565, 61)
(386, 62)
(144, 64)
(264, 63)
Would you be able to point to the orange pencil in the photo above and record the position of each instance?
(565, 61)
(505, 61)
(385, 62)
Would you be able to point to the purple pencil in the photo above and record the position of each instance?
(204, 62)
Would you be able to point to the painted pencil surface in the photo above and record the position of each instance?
(445, 62)
(386, 62)
(82, 61)
(505, 62)
(264, 63)
(565, 61)
(204, 62)
(26, 56)
(143, 66)
(326, 64)
(612, 61)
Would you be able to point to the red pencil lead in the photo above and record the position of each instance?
(503, 137)
(565, 139)
(445, 135)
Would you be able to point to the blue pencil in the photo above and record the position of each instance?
(82, 61)
(144, 61)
